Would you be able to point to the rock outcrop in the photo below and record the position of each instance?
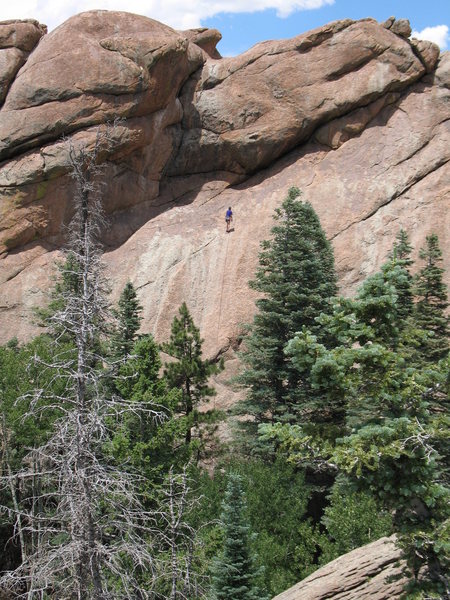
(17, 40)
(373, 572)
(353, 113)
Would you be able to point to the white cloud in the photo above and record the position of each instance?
(171, 12)
(439, 35)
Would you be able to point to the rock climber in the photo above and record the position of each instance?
(228, 218)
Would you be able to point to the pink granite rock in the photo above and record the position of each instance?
(17, 40)
(346, 112)
(373, 572)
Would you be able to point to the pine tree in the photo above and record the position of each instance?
(402, 248)
(151, 445)
(129, 321)
(234, 574)
(189, 372)
(297, 278)
(432, 302)
(401, 257)
(392, 442)
(139, 378)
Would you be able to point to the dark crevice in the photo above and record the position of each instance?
(354, 67)
(203, 246)
(17, 272)
(440, 164)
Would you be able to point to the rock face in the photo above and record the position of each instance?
(373, 572)
(353, 113)
(17, 40)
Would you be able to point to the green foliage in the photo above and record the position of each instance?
(188, 372)
(128, 321)
(150, 444)
(394, 409)
(401, 255)
(432, 302)
(277, 498)
(139, 376)
(296, 277)
(67, 281)
(352, 519)
(23, 368)
(234, 572)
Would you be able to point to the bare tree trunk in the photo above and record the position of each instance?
(179, 537)
(172, 534)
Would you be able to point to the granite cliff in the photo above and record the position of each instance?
(355, 114)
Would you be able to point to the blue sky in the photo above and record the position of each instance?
(246, 22)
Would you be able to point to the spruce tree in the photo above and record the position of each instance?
(128, 321)
(297, 279)
(402, 248)
(432, 302)
(150, 445)
(188, 372)
(392, 442)
(401, 257)
(234, 575)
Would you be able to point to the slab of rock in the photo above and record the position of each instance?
(236, 114)
(373, 572)
(376, 159)
(246, 111)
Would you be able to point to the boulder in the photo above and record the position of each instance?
(427, 51)
(21, 34)
(95, 67)
(17, 40)
(401, 27)
(206, 39)
(373, 572)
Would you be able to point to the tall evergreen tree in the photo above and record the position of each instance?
(297, 279)
(128, 321)
(401, 257)
(402, 248)
(188, 372)
(391, 433)
(432, 302)
(234, 575)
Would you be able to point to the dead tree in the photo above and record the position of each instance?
(89, 537)
(178, 541)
